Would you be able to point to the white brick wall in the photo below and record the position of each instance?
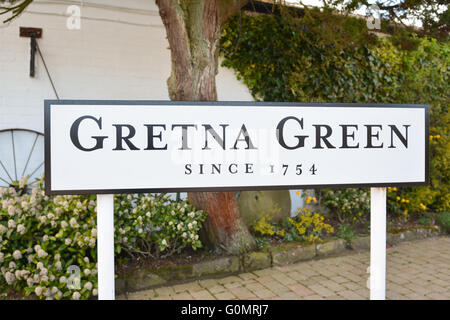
(115, 55)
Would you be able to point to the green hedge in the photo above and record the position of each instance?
(318, 58)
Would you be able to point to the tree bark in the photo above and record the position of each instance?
(193, 29)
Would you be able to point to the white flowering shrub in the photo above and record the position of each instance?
(155, 225)
(349, 205)
(42, 238)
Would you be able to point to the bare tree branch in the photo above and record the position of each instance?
(15, 10)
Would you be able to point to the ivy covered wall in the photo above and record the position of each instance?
(320, 57)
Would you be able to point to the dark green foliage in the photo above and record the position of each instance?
(283, 59)
(324, 58)
(346, 233)
(425, 221)
(443, 218)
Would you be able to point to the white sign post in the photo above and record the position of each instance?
(105, 246)
(377, 243)
(108, 147)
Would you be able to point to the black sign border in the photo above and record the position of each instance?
(47, 124)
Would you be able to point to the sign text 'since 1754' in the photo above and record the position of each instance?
(163, 146)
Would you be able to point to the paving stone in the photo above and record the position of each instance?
(247, 276)
(332, 285)
(265, 279)
(418, 289)
(283, 279)
(336, 297)
(225, 296)
(161, 298)
(329, 272)
(313, 297)
(282, 268)
(416, 270)
(276, 287)
(217, 289)
(437, 288)
(190, 286)
(250, 281)
(202, 295)
(415, 296)
(350, 295)
(398, 289)
(398, 280)
(264, 293)
(340, 279)
(353, 277)
(395, 296)
(229, 280)
(255, 286)
(288, 295)
(208, 283)
(264, 272)
(193, 287)
(365, 293)
(300, 290)
(165, 291)
(242, 293)
(321, 290)
(142, 295)
(182, 296)
(296, 276)
(314, 280)
(233, 285)
(435, 295)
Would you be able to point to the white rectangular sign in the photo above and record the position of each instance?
(161, 146)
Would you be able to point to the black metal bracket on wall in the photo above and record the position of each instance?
(33, 34)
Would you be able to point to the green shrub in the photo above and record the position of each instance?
(155, 225)
(308, 60)
(41, 236)
(305, 226)
(425, 220)
(443, 218)
(349, 205)
(346, 232)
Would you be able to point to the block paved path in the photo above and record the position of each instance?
(415, 270)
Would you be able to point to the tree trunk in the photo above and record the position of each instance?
(193, 29)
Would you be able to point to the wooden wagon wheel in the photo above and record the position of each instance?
(21, 155)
